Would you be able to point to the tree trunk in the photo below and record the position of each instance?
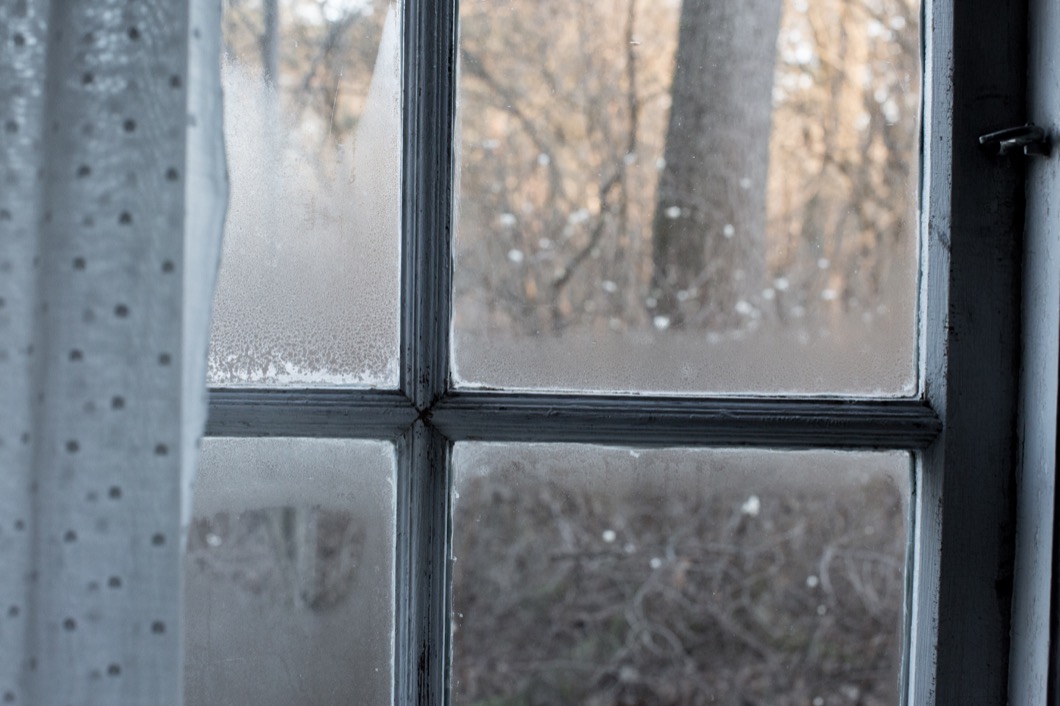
(708, 231)
(270, 96)
(270, 42)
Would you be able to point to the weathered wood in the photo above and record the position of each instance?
(686, 421)
(972, 222)
(429, 56)
(1036, 488)
(642, 421)
(324, 413)
(421, 672)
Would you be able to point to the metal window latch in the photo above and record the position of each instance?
(1029, 138)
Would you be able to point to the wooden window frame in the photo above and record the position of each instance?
(961, 425)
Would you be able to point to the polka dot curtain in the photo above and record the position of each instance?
(112, 197)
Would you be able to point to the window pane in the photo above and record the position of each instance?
(289, 573)
(596, 575)
(308, 291)
(714, 196)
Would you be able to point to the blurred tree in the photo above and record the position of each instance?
(708, 233)
(806, 151)
(270, 42)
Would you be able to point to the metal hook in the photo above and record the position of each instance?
(1031, 138)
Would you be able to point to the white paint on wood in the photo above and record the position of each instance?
(1029, 660)
(959, 623)
(934, 304)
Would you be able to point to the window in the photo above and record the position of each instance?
(958, 422)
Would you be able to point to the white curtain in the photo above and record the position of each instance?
(112, 197)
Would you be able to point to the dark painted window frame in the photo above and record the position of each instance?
(960, 426)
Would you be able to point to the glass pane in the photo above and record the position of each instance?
(708, 196)
(588, 575)
(289, 574)
(308, 290)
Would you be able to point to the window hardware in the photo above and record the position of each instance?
(1030, 137)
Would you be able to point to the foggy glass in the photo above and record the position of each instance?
(289, 573)
(698, 197)
(596, 575)
(308, 288)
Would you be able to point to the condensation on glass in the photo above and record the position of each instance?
(308, 289)
(697, 197)
(597, 575)
(289, 573)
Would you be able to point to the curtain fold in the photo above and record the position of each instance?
(112, 198)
